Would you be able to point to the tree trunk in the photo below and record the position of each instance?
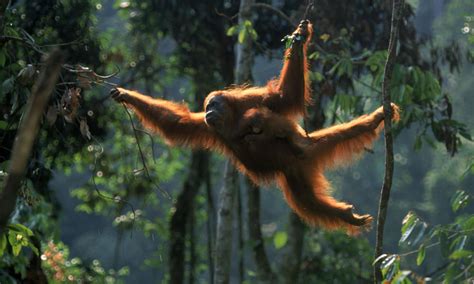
(291, 260)
(264, 271)
(240, 229)
(243, 73)
(27, 134)
(210, 225)
(224, 226)
(196, 176)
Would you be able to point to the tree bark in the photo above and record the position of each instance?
(245, 56)
(243, 73)
(27, 134)
(387, 183)
(263, 268)
(210, 224)
(184, 205)
(291, 260)
(224, 225)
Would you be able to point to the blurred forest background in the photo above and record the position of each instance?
(96, 207)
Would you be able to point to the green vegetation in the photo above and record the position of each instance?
(100, 202)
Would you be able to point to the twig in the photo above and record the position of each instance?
(368, 86)
(35, 47)
(27, 134)
(117, 199)
(142, 156)
(309, 7)
(387, 184)
(275, 10)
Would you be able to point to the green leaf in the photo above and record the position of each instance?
(401, 277)
(451, 272)
(316, 76)
(459, 243)
(468, 224)
(421, 255)
(409, 223)
(3, 243)
(389, 261)
(421, 233)
(459, 200)
(231, 31)
(379, 258)
(16, 249)
(33, 248)
(390, 266)
(459, 254)
(315, 55)
(3, 124)
(15, 241)
(253, 34)
(21, 229)
(280, 239)
(242, 35)
(334, 68)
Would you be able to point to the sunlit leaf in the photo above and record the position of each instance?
(231, 31)
(468, 224)
(379, 258)
(242, 35)
(402, 277)
(16, 249)
(459, 200)
(3, 243)
(459, 243)
(461, 254)
(20, 229)
(421, 255)
(409, 223)
(390, 266)
(421, 232)
(325, 37)
(389, 261)
(451, 272)
(280, 239)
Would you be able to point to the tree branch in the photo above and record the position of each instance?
(387, 183)
(27, 134)
(276, 11)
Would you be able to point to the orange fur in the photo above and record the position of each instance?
(256, 128)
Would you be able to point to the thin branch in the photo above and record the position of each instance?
(27, 134)
(368, 86)
(389, 164)
(4, 39)
(115, 198)
(276, 11)
(142, 156)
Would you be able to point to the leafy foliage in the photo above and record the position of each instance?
(453, 240)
